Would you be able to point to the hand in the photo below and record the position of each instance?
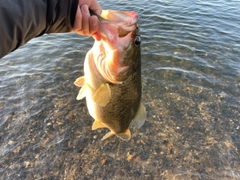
(85, 24)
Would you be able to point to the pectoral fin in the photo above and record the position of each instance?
(98, 124)
(83, 92)
(102, 95)
(80, 81)
(140, 117)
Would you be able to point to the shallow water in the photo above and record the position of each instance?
(190, 62)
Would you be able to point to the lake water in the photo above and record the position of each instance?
(191, 65)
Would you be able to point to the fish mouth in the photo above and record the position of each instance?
(114, 23)
(125, 21)
(114, 39)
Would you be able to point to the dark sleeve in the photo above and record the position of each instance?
(22, 20)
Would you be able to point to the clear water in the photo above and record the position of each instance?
(190, 61)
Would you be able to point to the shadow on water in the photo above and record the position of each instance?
(190, 62)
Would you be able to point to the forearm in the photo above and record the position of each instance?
(22, 20)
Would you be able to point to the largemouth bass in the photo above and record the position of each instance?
(112, 75)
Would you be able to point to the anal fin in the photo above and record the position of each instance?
(102, 95)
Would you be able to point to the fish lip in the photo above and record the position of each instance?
(100, 18)
(123, 29)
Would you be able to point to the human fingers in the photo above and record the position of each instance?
(89, 24)
(78, 21)
(92, 4)
(84, 23)
(96, 7)
(85, 19)
(93, 27)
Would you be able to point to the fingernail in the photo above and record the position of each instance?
(85, 9)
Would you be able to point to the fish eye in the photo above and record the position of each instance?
(137, 40)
